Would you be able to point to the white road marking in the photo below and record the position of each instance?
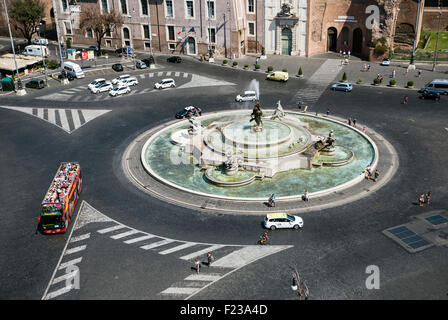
(177, 74)
(156, 244)
(106, 230)
(149, 236)
(201, 252)
(65, 277)
(80, 238)
(159, 74)
(76, 249)
(59, 292)
(178, 248)
(124, 234)
(181, 291)
(69, 263)
(204, 277)
(64, 121)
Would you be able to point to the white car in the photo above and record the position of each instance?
(282, 220)
(165, 83)
(102, 87)
(40, 41)
(385, 62)
(131, 81)
(120, 78)
(247, 96)
(96, 82)
(119, 91)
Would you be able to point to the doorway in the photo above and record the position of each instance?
(357, 41)
(286, 41)
(191, 46)
(332, 36)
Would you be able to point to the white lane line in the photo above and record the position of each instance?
(204, 277)
(177, 74)
(168, 73)
(201, 252)
(59, 292)
(52, 116)
(65, 277)
(64, 121)
(178, 248)
(149, 236)
(80, 238)
(156, 244)
(76, 120)
(151, 74)
(69, 263)
(124, 234)
(159, 74)
(178, 290)
(185, 75)
(106, 230)
(76, 249)
(142, 76)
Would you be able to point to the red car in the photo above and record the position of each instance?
(188, 112)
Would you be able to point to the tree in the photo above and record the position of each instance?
(100, 23)
(26, 16)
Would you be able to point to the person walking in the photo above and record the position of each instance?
(271, 200)
(428, 197)
(328, 112)
(405, 100)
(420, 73)
(376, 175)
(393, 73)
(210, 259)
(354, 123)
(364, 129)
(421, 200)
(350, 122)
(197, 265)
(305, 195)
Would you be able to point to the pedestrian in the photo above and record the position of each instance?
(257, 61)
(271, 200)
(368, 67)
(328, 112)
(350, 122)
(197, 265)
(406, 72)
(210, 259)
(305, 195)
(428, 197)
(393, 73)
(306, 108)
(405, 100)
(364, 129)
(299, 105)
(354, 123)
(420, 73)
(348, 53)
(376, 175)
(421, 200)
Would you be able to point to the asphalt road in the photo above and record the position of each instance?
(332, 252)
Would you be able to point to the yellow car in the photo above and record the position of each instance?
(278, 76)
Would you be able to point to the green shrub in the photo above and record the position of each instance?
(410, 83)
(52, 64)
(257, 66)
(246, 66)
(344, 77)
(376, 81)
(300, 71)
(380, 50)
(360, 80)
(393, 82)
(235, 63)
(270, 68)
(284, 70)
(224, 61)
(68, 43)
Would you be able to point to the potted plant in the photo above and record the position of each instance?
(393, 83)
(246, 66)
(257, 67)
(235, 63)
(224, 62)
(376, 81)
(410, 84)
(270, 68)
(359, 81)
(300, 74)
(344, 77)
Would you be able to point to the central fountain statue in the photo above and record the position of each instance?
(256, 116)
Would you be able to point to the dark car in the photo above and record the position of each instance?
(35, 84)
(64, 74)
(430, 95)
(175, 59)
(117, 67)
(121, 51)
(188, 112)
(148, 61)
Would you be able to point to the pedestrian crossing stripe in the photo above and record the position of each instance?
(200, 81)
(68, 120)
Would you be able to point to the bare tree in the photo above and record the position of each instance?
(26, 16)
(100, 23)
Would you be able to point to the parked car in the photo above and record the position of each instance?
(165, 83)
(278, 76)
(119, 90)
(96, 82)
(188, 112)
(123, 52)
(140, 65)
(148, 61)
(437, 85)
(117, 67)
(131, 81)
(342, 86)
(385, 62)
(175, 59)
(120, 78)
(247, 96)
(282, 220)
(35, 84)
(102, 87)
(430, 95)
(69, 76)
(40, 41)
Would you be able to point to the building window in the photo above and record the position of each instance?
(126, 33)
(211, 9)
(189, 9)
(212, 35)
(124, 7)
(169, 11)
(64, 5)
(108, 34)
(68, 27)
(147, 46)
(146, 32)
(108, 43)
(144, 4)
(171, 46)
(250, 6)
(89, 33)
(251, 28)
(171, 35)
(104, 6)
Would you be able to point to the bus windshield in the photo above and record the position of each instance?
(51, 219)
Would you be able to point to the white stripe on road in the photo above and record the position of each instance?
(168, 73)
(65, 277)
(64, 121)
(106, 230)
(149, 236)
(178, 248)
(76, 249)
(157, 244)
(80, 238)
(159, 74)
(69, 263)
(185, 75)
(177, 74)
(151, 74)
(76, 120)
(124, 234)
(201, 252)
(52, 116)
(204, 277)
(59, 292)
(142, 76)
(177, 290)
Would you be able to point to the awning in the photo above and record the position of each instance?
(23, 61)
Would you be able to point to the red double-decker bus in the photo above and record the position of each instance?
(61, 198)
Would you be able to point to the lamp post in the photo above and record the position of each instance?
(230, 29)
(151, 65)
(210, 51)
(42, 54)
(64, 80)
(20, 91)
(437, 40)
(411, 64)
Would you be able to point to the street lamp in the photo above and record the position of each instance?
(20, 90)
(437, 40)
(151, 65)
(411, 64)
(210, 51)
(42, 54)
(59, 35)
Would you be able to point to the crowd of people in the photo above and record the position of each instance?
(424, 198)
(61, 183)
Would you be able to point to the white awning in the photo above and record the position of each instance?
(23, 61)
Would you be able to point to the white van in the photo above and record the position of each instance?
(437, 85)
(35, 50)
(73, 69)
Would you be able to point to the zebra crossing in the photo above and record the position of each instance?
(228, 257)
(193, 81)
(318, 82)
(68, 120)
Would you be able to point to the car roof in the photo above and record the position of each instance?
(167, 79)
(277, 215)
(250, 92)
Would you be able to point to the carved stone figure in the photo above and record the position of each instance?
(195, 126)
(278, 113)
(256, 116)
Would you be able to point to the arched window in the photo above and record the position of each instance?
(126, 34)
